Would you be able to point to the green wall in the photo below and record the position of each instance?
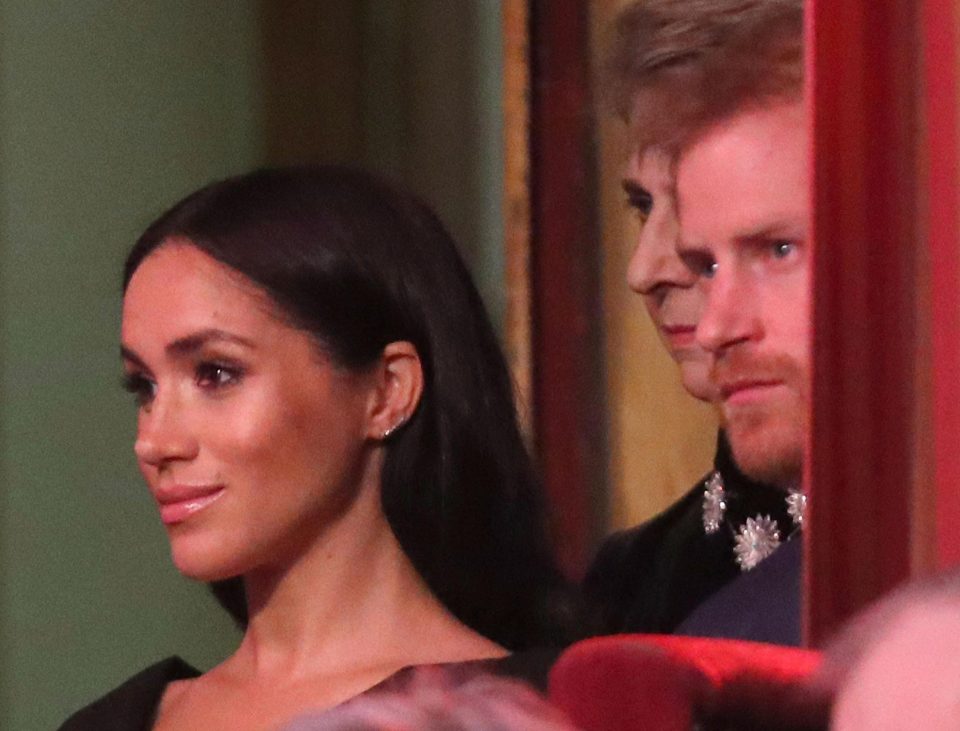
(109, 111)
(433, 118)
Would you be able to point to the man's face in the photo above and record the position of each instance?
(743, 198)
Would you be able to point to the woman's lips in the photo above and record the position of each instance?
(179, 502)
(680, 337)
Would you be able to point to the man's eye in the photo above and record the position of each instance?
(783, 249)
(142, 388)
(216, 375)
(699, 263)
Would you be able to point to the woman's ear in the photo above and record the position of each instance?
(398, 390)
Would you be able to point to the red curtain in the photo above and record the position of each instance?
(884, 467)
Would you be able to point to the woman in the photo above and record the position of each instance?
(326, 423)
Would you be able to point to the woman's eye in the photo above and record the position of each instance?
(641, 203)
(142, 388)
(216, 375)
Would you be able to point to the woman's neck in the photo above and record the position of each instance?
(352, 597)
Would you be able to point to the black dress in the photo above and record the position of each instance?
(133, 705)
(651, 578)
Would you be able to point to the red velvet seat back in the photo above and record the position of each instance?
(668, 683)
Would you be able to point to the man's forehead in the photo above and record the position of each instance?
(749, 134)
(745, 178)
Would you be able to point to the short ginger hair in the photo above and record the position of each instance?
(676, 67)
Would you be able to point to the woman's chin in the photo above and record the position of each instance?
(199, 572)
(202, 565)
(695, 376)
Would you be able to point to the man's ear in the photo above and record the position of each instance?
(398, 391)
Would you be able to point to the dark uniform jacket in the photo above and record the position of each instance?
(661, 576)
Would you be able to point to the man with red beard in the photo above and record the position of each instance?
(716, 89)
(742, 191)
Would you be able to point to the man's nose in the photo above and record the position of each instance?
(163, 434)
(655, 263)
(729, 313)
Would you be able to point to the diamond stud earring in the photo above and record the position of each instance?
(391, 430)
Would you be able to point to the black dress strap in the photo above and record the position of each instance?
(133, 705)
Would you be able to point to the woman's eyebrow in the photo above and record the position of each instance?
(195, 341)
(634, 189)
(128, 354)
(189, 344)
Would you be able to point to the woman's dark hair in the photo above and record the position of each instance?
(359, 264)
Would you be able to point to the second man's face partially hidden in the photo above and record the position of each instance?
(743, 204)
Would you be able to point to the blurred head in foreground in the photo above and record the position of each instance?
(432, 702)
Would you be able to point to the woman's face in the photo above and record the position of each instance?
(657, 273)
(250, 440)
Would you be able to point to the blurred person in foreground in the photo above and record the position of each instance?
(896, 666)
(428, 699)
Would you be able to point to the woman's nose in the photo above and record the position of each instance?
(655, 263)
(163, 434)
